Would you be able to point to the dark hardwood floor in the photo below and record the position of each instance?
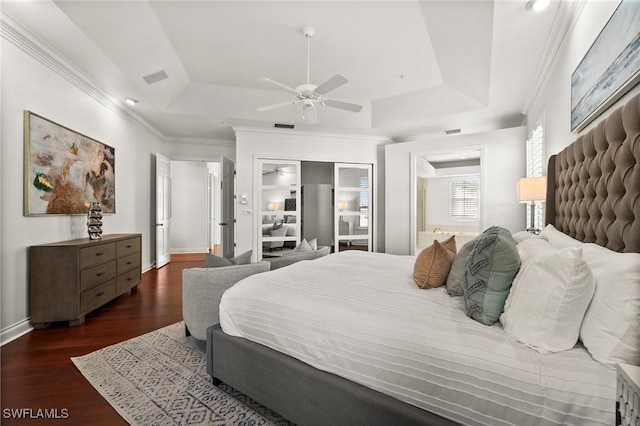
(37, 372)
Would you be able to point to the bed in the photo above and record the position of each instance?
(371, 349)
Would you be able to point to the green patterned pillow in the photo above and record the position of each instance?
(489, 272)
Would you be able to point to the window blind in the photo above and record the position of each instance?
(463, 196)
(364, 203)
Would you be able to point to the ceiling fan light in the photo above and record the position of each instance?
(309, 113)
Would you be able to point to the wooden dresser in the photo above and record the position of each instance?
(69, 279)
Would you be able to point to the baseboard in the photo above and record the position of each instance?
(14, 331)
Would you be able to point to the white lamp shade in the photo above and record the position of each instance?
(532, 189)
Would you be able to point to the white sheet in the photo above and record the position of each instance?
(359, 315)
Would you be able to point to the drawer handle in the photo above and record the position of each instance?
(99, 253)
(99, 274)
(129, 246)
(100, 294)
(129, 263)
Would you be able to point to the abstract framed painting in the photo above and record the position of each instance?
(65, 171)
(610, 68)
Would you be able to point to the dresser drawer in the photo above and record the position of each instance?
(128, 247)
(128, 263)
(91, 277)
(97, 296)
(127, 280)
(94, 255)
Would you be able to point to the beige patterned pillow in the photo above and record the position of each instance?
(433, 263)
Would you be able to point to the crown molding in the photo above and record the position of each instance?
(564, 21)
(16, 34)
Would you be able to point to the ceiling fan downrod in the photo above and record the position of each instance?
(308, 33)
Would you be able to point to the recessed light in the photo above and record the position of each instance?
(537, 5)
(131, 101)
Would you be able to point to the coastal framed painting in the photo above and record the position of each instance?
(610, 68)
(65, 171)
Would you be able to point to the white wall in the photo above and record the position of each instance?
(252, 144)
(189, 207)
(199, 151)
(555, 97)
(503, 163)
(28, 84)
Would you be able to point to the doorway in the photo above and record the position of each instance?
(446, 196)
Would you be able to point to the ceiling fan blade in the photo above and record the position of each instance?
(279, 85)
(342, 105)
(331, 84)
(278, 105)
(309, 114)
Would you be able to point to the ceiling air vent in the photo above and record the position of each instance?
(155, 77)
(452, 131)
(283, 126)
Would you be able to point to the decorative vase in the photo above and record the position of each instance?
(94, 221)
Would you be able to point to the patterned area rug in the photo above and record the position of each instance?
(160, 378)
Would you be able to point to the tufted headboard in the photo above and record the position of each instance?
(593, 185)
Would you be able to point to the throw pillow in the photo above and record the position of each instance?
(212, 261)
(489, 272)
(456, 274)
(548, 299)
(314, 244)
(433, 263)
(302, 247)
(242, 259)
(610, 329)
(277, 225)
(279, 232)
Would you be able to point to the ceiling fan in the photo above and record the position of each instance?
(309, 94)
(277, 170)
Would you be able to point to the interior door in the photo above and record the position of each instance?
(227, 198)
(163, 209)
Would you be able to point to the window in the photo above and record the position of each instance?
(364, 203)
(463, 196)
(535, 166)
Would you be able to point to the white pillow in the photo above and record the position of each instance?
(611, 326)
(303, 247)
(521, 236)
(557, 238)
(313, 244)
(549, 297)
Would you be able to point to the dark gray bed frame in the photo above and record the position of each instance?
(593, 195)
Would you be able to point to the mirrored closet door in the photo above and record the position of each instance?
(352, 207)
(279, 201)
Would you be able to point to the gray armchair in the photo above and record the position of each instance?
(202, 290)
(291, 258)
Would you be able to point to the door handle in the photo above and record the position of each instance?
(159, 224)
(223, 224)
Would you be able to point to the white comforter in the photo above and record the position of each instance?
(359, 315)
